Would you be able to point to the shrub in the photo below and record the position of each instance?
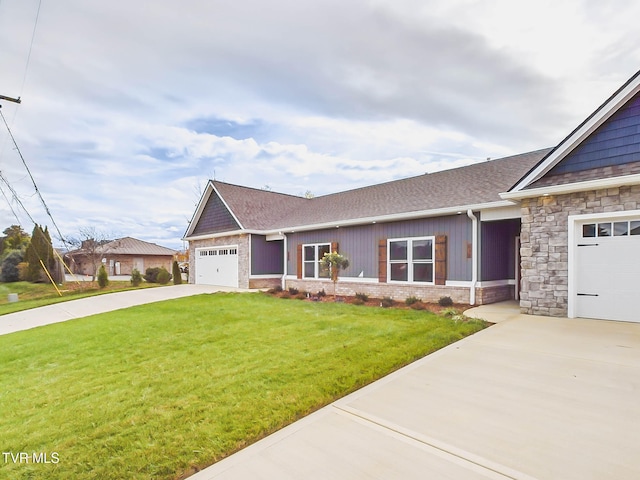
(163, 276)
(449, 312)
(411, 300)
(445, 301)
(136, 277)
(103, 278)
(387, 302)
(177, 274)
(151, 275)
(10, 270)
(362, 296)
(322, 293)
(293, 291)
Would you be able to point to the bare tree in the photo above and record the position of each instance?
(91, 245)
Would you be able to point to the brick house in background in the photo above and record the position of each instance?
(120, 257)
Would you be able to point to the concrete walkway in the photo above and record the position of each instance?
(61, 312)
(528, 398)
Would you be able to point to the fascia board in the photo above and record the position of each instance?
(599, 184)
(581, 133)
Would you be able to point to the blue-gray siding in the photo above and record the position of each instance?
(266, 257)
(215, 218)
(615, 142)
(360, 244)
(497, 249)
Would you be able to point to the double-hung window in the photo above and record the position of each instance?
(311, 256)
(411, 259)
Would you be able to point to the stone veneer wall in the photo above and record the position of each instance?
(544, 248)
(242, 241)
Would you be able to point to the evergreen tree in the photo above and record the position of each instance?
(177, 274)
(39, 249)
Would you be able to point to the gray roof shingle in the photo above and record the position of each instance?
(471, 185)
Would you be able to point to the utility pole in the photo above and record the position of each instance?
(10, 99)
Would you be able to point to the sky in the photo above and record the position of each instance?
(129, 107)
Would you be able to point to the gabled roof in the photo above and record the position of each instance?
(475, 186)
(128, 246)
(575, 138)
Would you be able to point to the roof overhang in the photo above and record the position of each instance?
(599, 184)
(586, 128)
(209, 189)
(438, 212)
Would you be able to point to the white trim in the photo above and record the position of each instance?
(474, 256)
(573, 221)
(457, 283)
(266, 275)
(599, 184)
(600, 116)
(358, 279)
(496, 283)
(316, 260)
(503, 213)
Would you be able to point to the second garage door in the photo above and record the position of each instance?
(607, 274)
(217, 266)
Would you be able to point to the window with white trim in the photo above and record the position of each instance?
(621, 228)
(311, 256)
(410, 259)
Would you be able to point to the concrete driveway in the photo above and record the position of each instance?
(61, 312)
(528, 398)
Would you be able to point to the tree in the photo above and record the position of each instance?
(335, 262)
(91, 245)
(15, 238)
(40, 250)
(177, 274)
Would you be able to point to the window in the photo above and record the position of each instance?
(411, 260)
(311, 256)
(611, 229)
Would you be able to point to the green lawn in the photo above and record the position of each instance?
(152, 391)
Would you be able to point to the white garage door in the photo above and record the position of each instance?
(217, 266)
(607, 275)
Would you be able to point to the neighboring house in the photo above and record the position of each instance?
(558, 228)
(120, 257)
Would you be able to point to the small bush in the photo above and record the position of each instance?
(322, 293)
(445, 301)
(163, 276)
(411, 300)
(151, 275)
(103, 278)
(418, 305)
(293, 291)
(362, 296)
(136, 277)
(10, 267)
(449, 312)
(387, 302)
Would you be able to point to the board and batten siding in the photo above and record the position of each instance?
(267, 257)
(360, 244)
(498, 249)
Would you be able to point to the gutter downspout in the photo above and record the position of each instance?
(474, 256)
(284, 275)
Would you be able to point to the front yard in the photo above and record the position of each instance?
(161, 390)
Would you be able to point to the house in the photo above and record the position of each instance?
(119, 256)
(555, 228)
